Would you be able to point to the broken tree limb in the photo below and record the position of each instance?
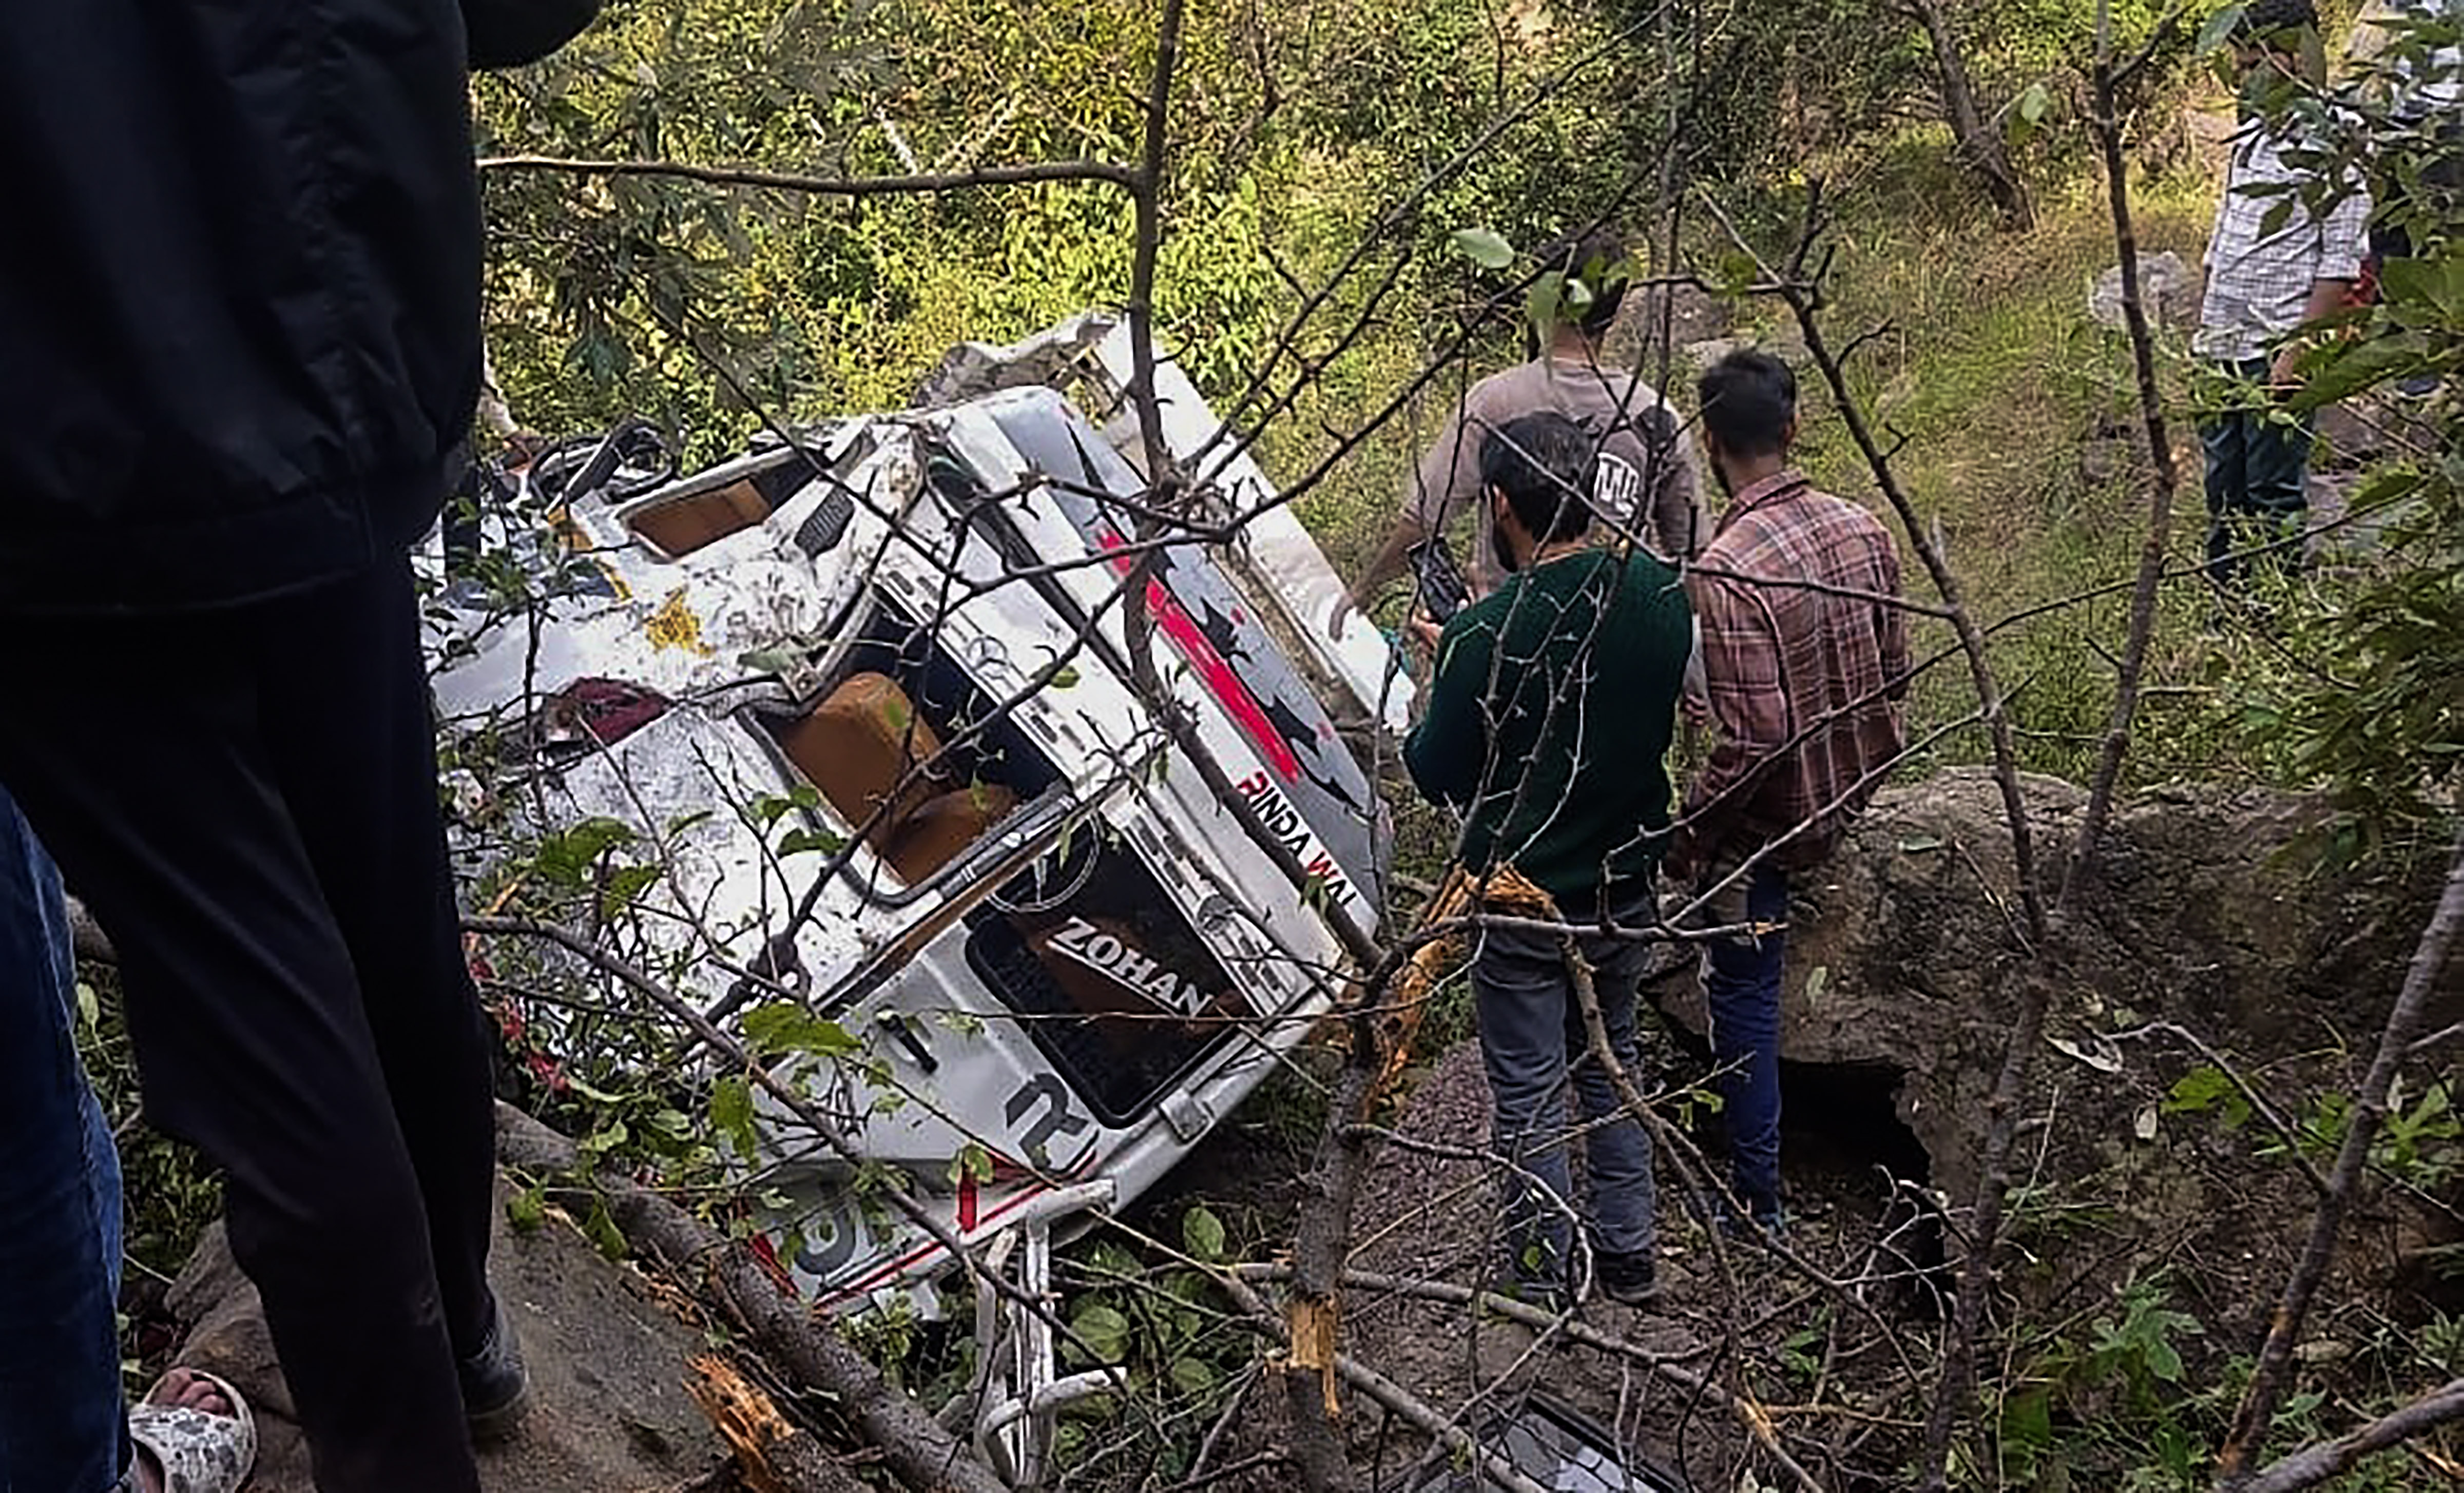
(2312, 1465)
(822, 185)
(1320, 1240)
(807, 1347)
(1449, 900)
(1386, 1392)
(772, 1454)
(2268, 1382)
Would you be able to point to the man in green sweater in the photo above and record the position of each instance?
(1547, 724)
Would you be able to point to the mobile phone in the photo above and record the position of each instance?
(1442, 587)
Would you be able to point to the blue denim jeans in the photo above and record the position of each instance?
(2258, 476)
(1742, 989)
(1533, 1043)
(61, 1429)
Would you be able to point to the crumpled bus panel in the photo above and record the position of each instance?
(865, 700)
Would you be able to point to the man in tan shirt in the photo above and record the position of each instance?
(1645, 486)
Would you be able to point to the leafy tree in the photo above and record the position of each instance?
(2366, 697)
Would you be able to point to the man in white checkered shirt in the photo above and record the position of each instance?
(2262, 287)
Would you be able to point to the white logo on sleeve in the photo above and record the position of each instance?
(1616, 488)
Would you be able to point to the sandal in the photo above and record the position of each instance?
(199, 1450)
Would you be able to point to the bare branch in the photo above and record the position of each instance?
(923, 182)
(2250, 1095)
(2267, 1384)
(922, 1453)
(2107, 125)
(2312, 1465)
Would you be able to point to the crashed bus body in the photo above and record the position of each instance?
(866, 698)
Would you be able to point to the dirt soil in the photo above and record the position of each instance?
(1432, 1217)
(609, 1410)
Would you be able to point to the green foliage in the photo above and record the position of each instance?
(1800, 1352)
(1816, 89)
(683, 300)
(2115, 1404)
(2206, 1088)
(783, 1026)
(2137, 1346)
(2361, 693)
(1201, 1234)
(730, 1114)
(568, 857)
(1161, 1326)
(2420, 1141)
(1486, 248)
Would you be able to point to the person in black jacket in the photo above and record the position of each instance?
(239, 353)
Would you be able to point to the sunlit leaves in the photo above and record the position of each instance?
(1484, 247)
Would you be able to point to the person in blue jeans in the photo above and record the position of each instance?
(61, 1425)
(1805, 665)
(1548, 717)
(2277, 261)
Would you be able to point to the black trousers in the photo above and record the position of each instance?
(247, 800)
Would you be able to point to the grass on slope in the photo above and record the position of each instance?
(2014, 418)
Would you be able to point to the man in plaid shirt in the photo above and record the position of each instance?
(2275, 262)
(1805, 664)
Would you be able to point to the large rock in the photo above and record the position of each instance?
(1685, 313)
(609, 1410)
(2169, 293)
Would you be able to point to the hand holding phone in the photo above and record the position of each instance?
(1441, 590)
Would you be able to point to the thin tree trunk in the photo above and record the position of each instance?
(1980, 142)
(2271, 1378)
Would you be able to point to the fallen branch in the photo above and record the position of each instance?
(772, 1454)
(823, 186)
(1752, 1417)
(2312, 1465)
(806, 1347)
(1393, 1397)
(2267, 1383)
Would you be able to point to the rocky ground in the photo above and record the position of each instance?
(2204, 916)
(608, 1364)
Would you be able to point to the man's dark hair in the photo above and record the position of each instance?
(1748, 399)
(1543, 463)
(1598, 258)
(2270, 20)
